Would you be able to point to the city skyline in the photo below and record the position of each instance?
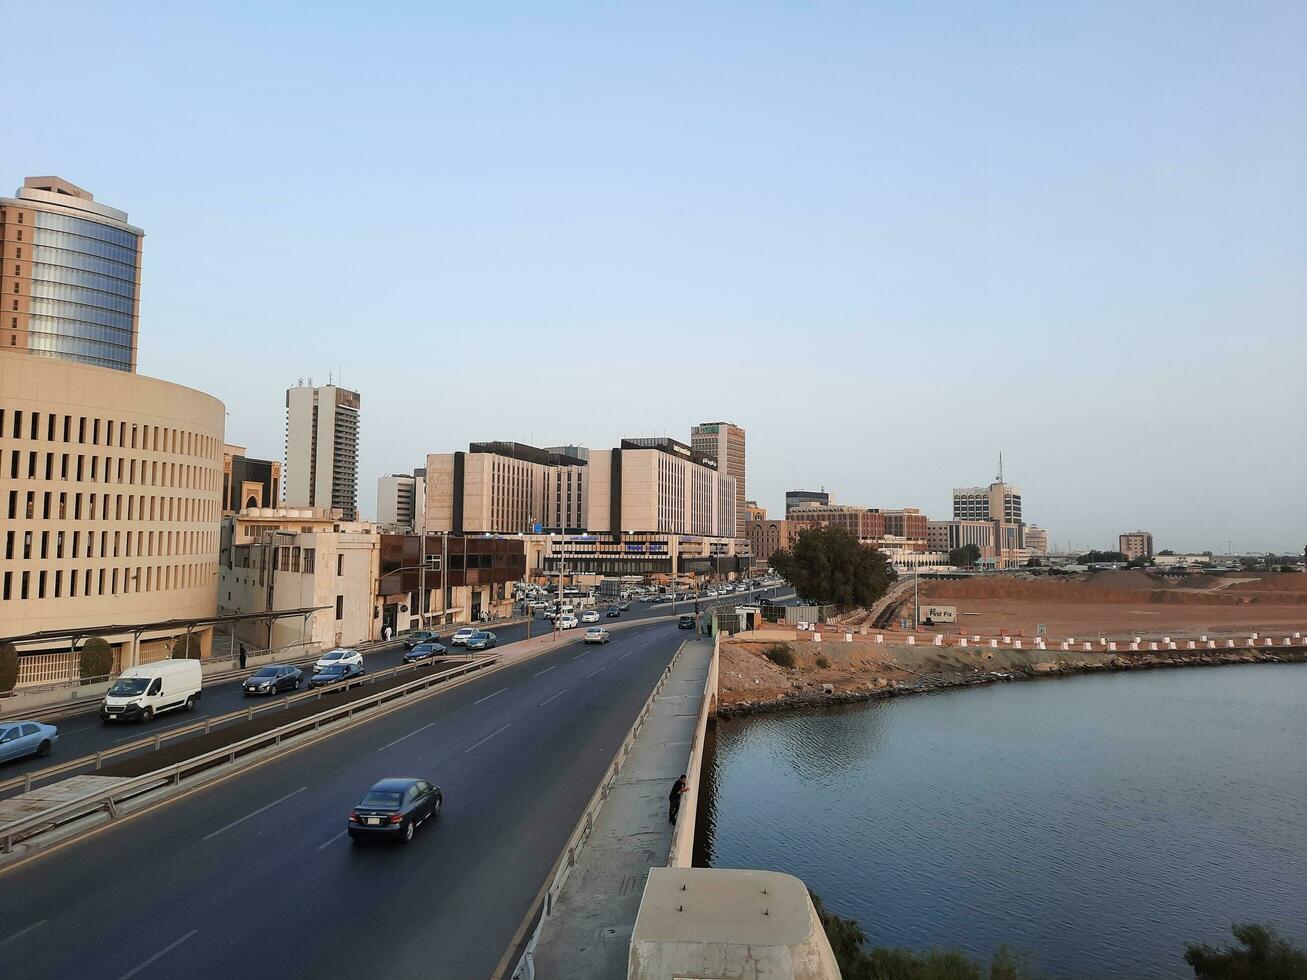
(1130, 240)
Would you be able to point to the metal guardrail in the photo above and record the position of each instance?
(525, 969)
(694, 771)
(110, 797)
(98, 759)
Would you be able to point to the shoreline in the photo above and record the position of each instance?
(818, 698)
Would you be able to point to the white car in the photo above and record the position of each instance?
(460, 638)
(596, 634)
(567, 622)
(710, 594)
(590, 616)
(339, 658)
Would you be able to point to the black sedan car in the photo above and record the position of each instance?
(425, 651)
(344, 674)
(418, 637)
(272, 679)
(394, 809)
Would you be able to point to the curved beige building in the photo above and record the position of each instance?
(110, 494)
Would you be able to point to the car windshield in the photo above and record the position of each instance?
(126, 687)
(480, 636)
(266, 672)
(334, 655)
(381, 799)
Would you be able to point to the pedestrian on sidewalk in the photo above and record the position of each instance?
(674, 798)
(242, 656)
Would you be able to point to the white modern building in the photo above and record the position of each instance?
(322, 448)
(402, 500)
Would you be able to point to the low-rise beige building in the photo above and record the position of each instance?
(110, 491)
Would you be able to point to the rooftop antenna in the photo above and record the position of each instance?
(1000, 466)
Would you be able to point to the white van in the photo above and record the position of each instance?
(145, 691)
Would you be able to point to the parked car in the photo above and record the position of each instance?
(685, 622)
(481, 640)
(273, 678)
(345, 674)
(334, 658)
(596, 634)
(394, 808)
(460, 638)
(419, 636)
(425, 651)
(22, 738)
(613, 612)
(711, 594)
(567, 622)
(590, 616)
(150, 689)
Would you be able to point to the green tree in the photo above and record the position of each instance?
(965, 556)
(95, 660)
(186, 647)
(829, 566)
(1097, 557)
(8, 667)
(1262, 955)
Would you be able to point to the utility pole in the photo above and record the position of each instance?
(422, 579)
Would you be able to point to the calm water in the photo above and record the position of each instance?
(1098, 823)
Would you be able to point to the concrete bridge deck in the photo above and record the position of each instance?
(588, 933)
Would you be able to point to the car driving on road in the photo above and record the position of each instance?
(273, 678)
(596, 634)
(613, 612)
(411, 640)
(425, 651)
(345, 674)
(334, 658)
(460, 638)
(23, 738)
(685, 622)
(567, 622)
(481, 640)
(590, 616)
(394, 808)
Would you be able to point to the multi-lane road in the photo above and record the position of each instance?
(85, 734)
(255, 876)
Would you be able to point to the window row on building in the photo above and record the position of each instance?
(121, 434)
(35, 465)
(50, 505)
(28, 545)
(116, 580)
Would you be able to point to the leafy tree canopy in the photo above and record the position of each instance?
(829, 566)
(964, 557)
(1260, 955)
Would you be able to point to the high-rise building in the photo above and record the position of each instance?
(248, 482)
(802, 498)
(70, 276)
(724, 440)
(322, 448)
(997, 502)
(1135, 544)
(402, 499)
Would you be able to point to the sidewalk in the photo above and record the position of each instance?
(588, 933)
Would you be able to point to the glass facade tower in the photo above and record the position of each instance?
(70, 276)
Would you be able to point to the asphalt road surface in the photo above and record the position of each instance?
(85, 734)
(255, 876)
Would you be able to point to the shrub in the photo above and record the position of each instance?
(779, 654)
(822, 662)
(95, 660)
(8, 667)
(1263, 955)
(186, 647)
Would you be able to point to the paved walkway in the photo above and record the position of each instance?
(589, 933)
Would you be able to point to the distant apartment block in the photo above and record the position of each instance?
(768, 537)
(402, 500)
(907, 522)
(725, 441)
(249, 482)
(70, 276)
(1135, 544)
(1036, 539)
(802, 498)
(322, 448)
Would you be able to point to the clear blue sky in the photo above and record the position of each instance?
(888, 239)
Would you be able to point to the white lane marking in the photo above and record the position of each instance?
(255, 813)
(580, 655)
(551, 697)
(23, 932)
(333, 840)
(402, 737)
(487, 738)
(546, 670)
(627, 654)
(153, 731)
(593, 672)
(167, 949)
(489, 696)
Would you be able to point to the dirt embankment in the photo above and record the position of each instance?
(840, 672)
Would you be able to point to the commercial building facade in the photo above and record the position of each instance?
(804, 498)
(907, 522)
(768, 537)
(402, 500)
(996, 502)
(248, 482)
(861, 522)
(1036, 540)
(1135, 544)
(944, 536)
(322, 448)
(726, 442)
(111, 489)
(70, 273)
